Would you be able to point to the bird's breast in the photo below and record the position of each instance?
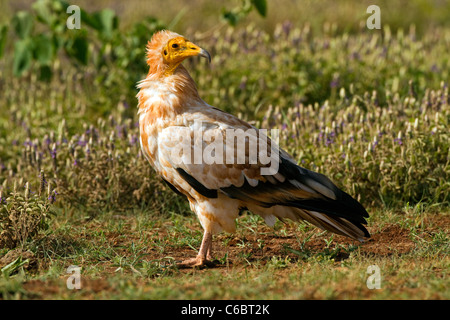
(158, 107)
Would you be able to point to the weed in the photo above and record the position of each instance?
(24, 213)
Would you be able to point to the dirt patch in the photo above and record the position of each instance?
(38, 289)
(435, 223)
(264, 243)
(13, 255)
(262, 246)
(391, 239)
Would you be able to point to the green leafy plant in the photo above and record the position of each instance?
(24, 213)
(98, 42)
(235, 15)
(3, 37)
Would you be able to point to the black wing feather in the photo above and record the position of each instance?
(344, 206)
(200, 188)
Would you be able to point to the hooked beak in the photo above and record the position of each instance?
(205, 54)
(189, 49)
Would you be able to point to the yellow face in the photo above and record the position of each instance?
(178, 49)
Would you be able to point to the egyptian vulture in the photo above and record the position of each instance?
(195, 148)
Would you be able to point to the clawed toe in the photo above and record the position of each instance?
(197, 262)
(203, 258)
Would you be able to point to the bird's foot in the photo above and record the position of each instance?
(197, 262)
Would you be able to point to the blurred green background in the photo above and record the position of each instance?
(272, 62)
(201, 15)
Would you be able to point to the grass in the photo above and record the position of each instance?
(131, 257)
(370, 109)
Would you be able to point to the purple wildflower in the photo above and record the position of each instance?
(119, 130)
(287, 26)
(52, 197)
(81, 143)
(133, 140)
(243, 84)
(355, 55)
(434, 68)
(374, 144)
(334, 83)
(43, 179)
(320, 137)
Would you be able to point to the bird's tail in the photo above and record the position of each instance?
(333, 224)
(333, 209)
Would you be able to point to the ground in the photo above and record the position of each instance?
(132, 256)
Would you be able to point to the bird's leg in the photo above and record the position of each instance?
(206, 244)
(202, 256)
(209, 256)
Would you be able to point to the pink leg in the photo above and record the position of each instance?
(203, 254)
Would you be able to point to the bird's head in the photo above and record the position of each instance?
(168, 49)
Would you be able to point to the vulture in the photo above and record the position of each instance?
(224, 165)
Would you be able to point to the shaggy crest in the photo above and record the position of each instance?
(154, 48)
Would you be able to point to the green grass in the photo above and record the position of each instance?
(370, 109)
(131, 257)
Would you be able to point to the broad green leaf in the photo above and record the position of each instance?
(23, 54)
(22, 23)
(261, 6)
(43, 11)
(60, 5)
(108, 21)
(79, 49)
(3, 37)
(230, 17)
(43, 49)
(90, 19)
(58, 42)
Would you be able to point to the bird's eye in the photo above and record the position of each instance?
(175, 45)
(165, 52)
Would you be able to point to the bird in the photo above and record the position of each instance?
(176, 125)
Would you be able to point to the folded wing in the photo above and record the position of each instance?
(198, 153)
